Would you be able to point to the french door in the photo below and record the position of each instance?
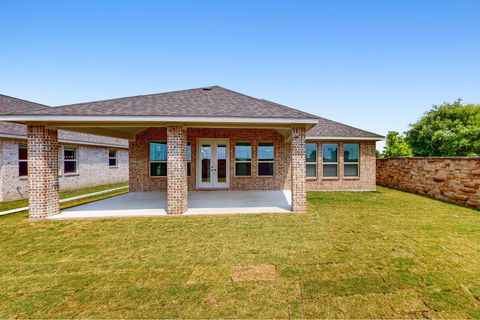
(213, 164)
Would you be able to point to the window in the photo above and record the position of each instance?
(330, 162)
(189, 159)
(158, 159)
(22, 161)
(243, 159)
(266, 154)
(69, 160)
(311, 155)
(112, 158)
(350, 160)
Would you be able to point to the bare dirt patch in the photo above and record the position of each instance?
(260, 272)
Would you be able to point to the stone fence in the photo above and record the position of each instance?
(455, 179)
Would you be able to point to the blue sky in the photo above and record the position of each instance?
(377, 65)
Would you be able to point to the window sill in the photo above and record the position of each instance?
(351, 178)
(312, 178)
(157, 177)
(23, 178)
(265, 176)
(72, 174)
(242, 177)
(330, 178)
(113, 167)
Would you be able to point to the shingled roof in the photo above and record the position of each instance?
(200, 102)
(10, 105)
(331, 129)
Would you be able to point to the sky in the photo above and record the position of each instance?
(376, 65)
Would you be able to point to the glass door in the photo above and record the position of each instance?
(213, 164)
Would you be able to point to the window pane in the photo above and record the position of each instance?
(22, 168)
(243, 151)
(158, 169)
(189, 168)
(221, 163)
(22, 153)
(350, 170)
(265, 169)
(69, 166)
(243, 169)
(206, 156)
(329, 170)
(350, 152)
(329, 152)
(189, 152)
(158, 151)
(265, 151)
(69, 154)
(112, 153)
(112, 162)
(311, 152)
(311, 170)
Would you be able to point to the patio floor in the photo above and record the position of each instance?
(147, 204)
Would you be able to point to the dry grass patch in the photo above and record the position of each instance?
(261, 272)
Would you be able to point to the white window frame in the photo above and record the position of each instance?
(312, 162)
(265, 161)
(22, 146)
(243, 161)
(330, 163)
(357, 162)
(70, 160)
(155, 161)
(114, 157)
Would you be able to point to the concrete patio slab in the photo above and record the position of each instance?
(151, 204)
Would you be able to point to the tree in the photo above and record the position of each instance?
(451, 129)
(396, 146)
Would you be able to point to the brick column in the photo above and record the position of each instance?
(298, 163)
(42, 172)
(177, 187)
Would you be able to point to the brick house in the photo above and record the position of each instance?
(205, 139)
(85, 160)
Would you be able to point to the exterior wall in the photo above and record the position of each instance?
(92, 169)
(365, 181)
(299, 191)
(140, 180)
(451, 179)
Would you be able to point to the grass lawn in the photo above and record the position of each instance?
(7, 205)
(377, 254)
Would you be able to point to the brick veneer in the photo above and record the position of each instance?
(451, 179)
(140, 181)
(43, 172)
(299, 191)
(366, 179)
(177, 189)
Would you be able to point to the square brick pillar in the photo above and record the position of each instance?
(298, 163)
(177, 188)
(42, 172)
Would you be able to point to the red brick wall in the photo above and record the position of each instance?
(451, 179)
(140, 180)
(366, 179)
(43, 172)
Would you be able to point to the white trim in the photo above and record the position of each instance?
(344, 138)
(133, 118)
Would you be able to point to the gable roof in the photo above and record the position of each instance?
(200, 102)
(328, 129)
(10, 105)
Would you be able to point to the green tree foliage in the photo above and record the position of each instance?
(451, 129)
(396, 146)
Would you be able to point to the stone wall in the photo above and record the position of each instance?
(93, 169)
(451, 179)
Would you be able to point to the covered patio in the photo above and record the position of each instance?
(150, 204)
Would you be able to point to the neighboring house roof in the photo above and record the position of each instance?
(328, 129)
(201, 102)
(10, 105)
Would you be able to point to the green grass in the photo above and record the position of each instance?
(353, 255)
(4, 206)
